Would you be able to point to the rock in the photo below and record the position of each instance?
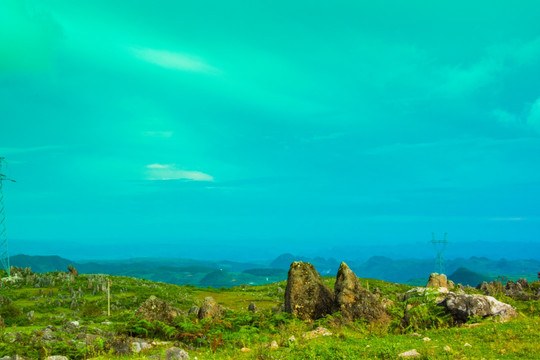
(121, 346)
(193, 310)
(245, 349)
(447, 348)
(73, 271)
(320, 331)
(252, 307)
(56, 357)
(523, 283)
(292, 339)
(306, 296)
(273, 345)
(467, 345)
(47, 335)
(493, 288)
(353, 300)
(464, 306)
(426, 294)
(210, 309)
(410, 353)
(136, 347)
(176, 353)
(280, 290)
(157, 309)
(426, 339)
(437, 281)
(71, 327)
(30, 315)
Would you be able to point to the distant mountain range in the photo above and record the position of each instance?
(229, 273)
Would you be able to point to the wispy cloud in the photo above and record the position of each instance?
(173, 60)
(171, 172)
(22, 150)
(533, 117)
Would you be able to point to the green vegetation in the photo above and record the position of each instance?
(37, 313)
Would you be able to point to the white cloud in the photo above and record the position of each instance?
(173, 61)
(171, 172)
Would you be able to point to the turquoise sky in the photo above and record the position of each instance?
(212, 126)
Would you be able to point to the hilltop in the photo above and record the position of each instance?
(61, 314)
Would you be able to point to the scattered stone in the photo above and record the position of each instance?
(47, 335)
(30, 315)
(292, 339)
(410, 353)
(464, 306)
(273, 345)
(210, 309)
(437, 281)
(447, 348)
(320, 331)
(157, 309)
(56, 357)
(306, 296)
(106, 323)
(426, 339)
(245, 349)
(252, 307)
(416, 334)
(280, 290)
(175, 353)
(467, 345)
(353, 300)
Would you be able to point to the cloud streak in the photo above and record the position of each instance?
(171, 172)
(173, 61)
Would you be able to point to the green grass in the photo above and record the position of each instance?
(225, 337)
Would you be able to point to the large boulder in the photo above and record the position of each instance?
(210, 309)
(157, 309)
(461, 307)
(437, 281)
(353, 300)
(306, 296)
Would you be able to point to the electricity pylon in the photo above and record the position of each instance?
(440, 246)
(4, 252)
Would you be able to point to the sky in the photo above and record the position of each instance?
(254, 128)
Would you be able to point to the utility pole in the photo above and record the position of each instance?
(4, 251)
(440, 246)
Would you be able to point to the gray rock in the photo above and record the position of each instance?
(252, 307)
(193, 310)
(210, 309)
(353, 300)
(56, 357)
(157, 309)
(306, 296)
(13, 337)
(176, 353)
(464, 306)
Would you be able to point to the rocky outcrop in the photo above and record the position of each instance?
(425, 294)
(73, 271)
(353, 300)
(176, 353)
(461, 307)
(306, 296)
(437, 281)
(210, 309)
(157, 309)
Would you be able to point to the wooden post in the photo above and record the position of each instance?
(108, 297)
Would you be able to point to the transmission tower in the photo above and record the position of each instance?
(4, 253)
(440, 246)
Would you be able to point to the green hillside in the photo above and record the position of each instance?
(37, 313)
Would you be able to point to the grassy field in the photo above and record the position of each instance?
(56, 298)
